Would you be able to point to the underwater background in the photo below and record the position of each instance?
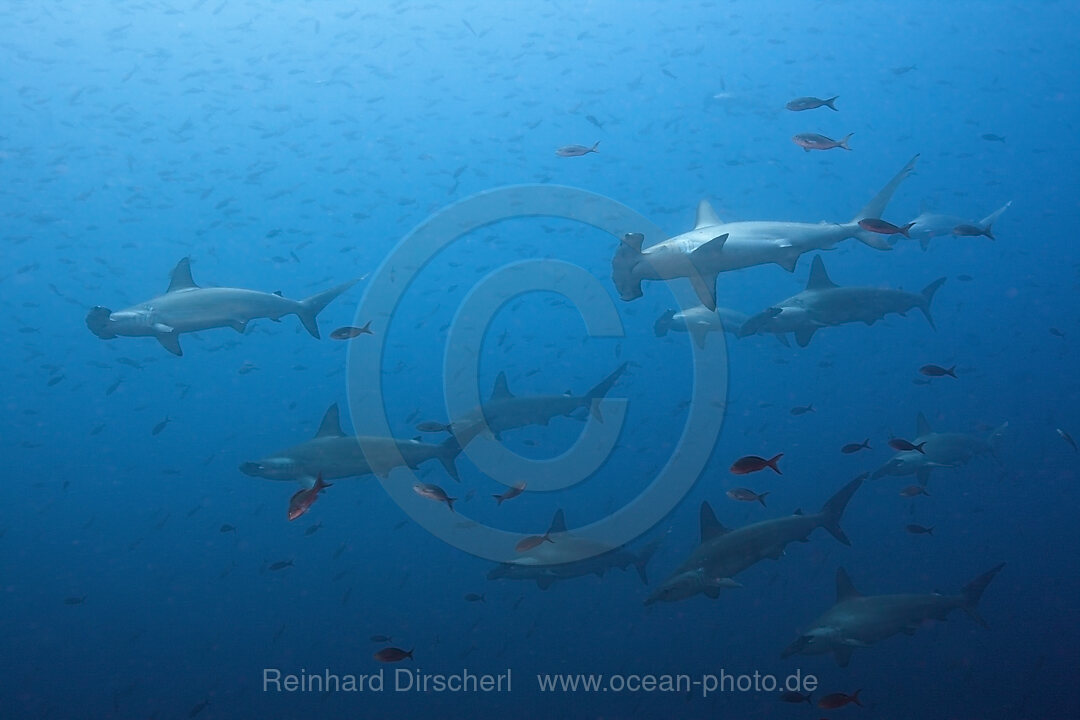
(290, 146)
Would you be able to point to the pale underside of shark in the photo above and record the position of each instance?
(505, 411)
(546, 563)
(723, 553)
(186, 307)
(824, 304)
(931, 225)
(333, 454)
(939, 450)
(859, 621)
(713, 247)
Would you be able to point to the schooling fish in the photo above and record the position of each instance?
(753, 463)
(811, 103)
(393, 654)
(576, 150)
(526, 544)
(1067, 438)
(510, 493)
(839, 700)
(348, 332)
(813, 141)
(747, 495)
(914, 491)
(937, 371)
(919, 530)
(434, 492)
(160, 426)
(856, 447)
(901, 445)
(802, 409)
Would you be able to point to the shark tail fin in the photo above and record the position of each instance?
(598, 393)
(876, 207)
(973, 591)
(990, 219)
(928, 296)
(834, 508)
(309, 308)
(623, 266)
(448, 451)
(663, 323)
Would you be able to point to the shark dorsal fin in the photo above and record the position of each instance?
(922, 426)
(845, 590)
(710, 526)
(798, 511)
(558, 523)
(819, 279)
(331, 423)
(180, 279)
(501, 391)
(706, 216)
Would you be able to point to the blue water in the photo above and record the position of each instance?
(289, 146)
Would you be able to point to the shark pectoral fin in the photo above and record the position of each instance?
(782, 339)
(544, 582)
(712, 593)
(923, 475)
(698, 332)
(170, 340)
(804, 334)
(239, 326)
(307, 481)
(789, 262)
(843, 656)
(704, 285)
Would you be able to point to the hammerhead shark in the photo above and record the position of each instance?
(186, 307)
(931, 225)
(824, 303)
(934, 449)
(505, 411)
(333, 454)
(548, 562)
(724, 553)
(858, 621)
(713, 247)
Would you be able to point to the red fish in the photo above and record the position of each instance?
(901, 445)
(747, 495)
(839, 700)
(937, 371)
(302, 501)
(914, 491)
(813, 141)
(879, 226)
(393, 654)
(348, 332)
(510, 492)
(528, 543)
(753, 463)
(919, 530)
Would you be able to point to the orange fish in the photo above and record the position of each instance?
(302, 501)
(881, 227)
(753, 463)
